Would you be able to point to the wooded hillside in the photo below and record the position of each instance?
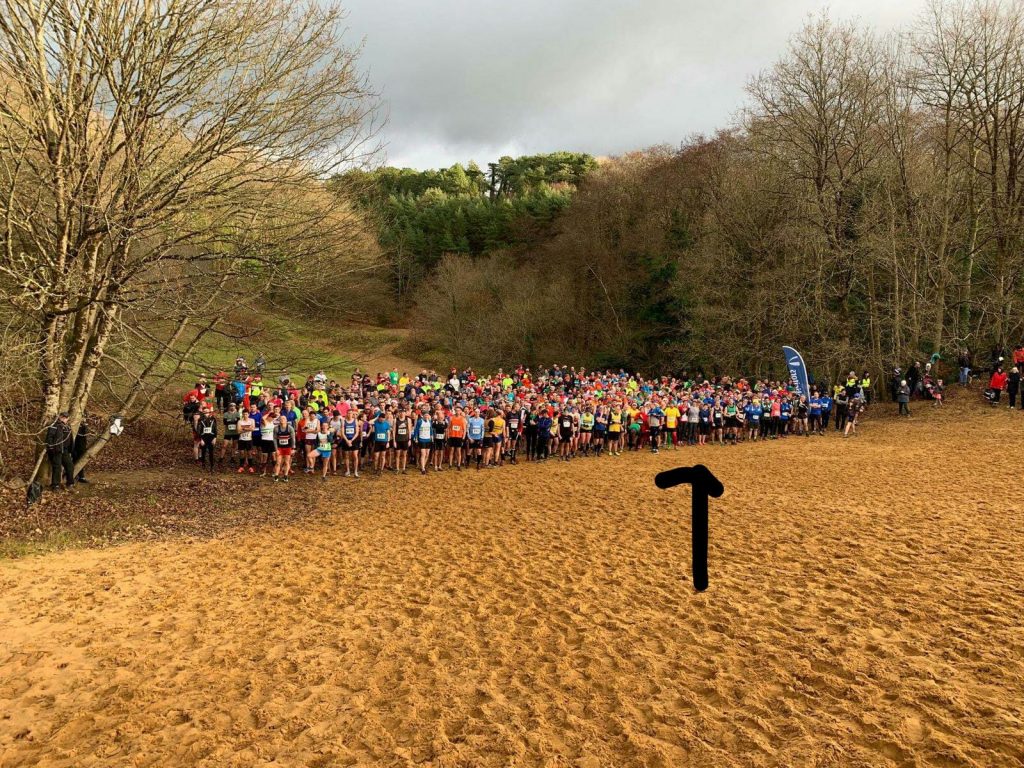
(866, 208)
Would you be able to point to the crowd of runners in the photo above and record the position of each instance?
(247, 424)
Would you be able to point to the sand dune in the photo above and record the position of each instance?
(865, 609)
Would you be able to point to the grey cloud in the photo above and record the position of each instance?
(472, 80)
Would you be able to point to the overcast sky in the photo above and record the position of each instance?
(476, 79)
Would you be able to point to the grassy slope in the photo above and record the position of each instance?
(303, 346)
(296, 344)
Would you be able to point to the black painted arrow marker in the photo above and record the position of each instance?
(704, 484)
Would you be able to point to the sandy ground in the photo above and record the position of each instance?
(866, 608)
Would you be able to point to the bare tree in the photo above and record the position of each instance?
(154, 159)
(994, 107)
(818, 108)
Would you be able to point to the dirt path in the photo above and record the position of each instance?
(864, 610)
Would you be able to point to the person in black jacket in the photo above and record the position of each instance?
(206, 429)
(842, 405)
(1013, 387)
(58, 450)
(79, 446)
(913, 378)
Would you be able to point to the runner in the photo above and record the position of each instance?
(634, 428)
(692, 421)
(856, 408)
(206, 428)
(284, 443)
(740, 418)
(494, 429)
(325, 447)
(600, 429)
(475, 433)
(775, 418)
(732, 421)
(457, 426)
(229, 444)
(704, 421)
(334, 425)
(516, 422)
(826, 410)
(403, 440)
(672, 421)
(574, 412)
(268, 420)
(530, 433)
(802, 410)
(586, 422)
(381, 440)
(366, 419)
(246, 429)
(309, 427)
(555, 431)
(813, 412)
(565, 434)
(424, 436)
(655, 419)
(718, 422)
(439, 425)
(351, 434)
(615, 431)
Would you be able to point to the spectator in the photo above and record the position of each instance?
(997, 383)
(964, 361)
(1013, 386)
(80, 445)
(913, 378)
(1018, 357)
(59, 443)
(865, 387)
(903, 398)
